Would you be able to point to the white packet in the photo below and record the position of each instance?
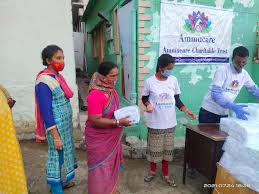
(131, 111)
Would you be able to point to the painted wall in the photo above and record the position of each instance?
(92, 20)
(27, 26)
(195, 79)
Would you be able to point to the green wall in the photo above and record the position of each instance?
(195, 79)
(92, 20)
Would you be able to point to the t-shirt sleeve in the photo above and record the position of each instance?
(146, 90)
(249, 82)
(177, 87)
(96, 101)
(219, 77)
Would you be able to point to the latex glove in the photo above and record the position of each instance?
(254, 90)
(240, 113)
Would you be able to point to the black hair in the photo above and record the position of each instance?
(164, 60)
(106, 67)
(240, 51)
(48, 52)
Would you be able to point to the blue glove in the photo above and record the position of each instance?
(240, 113)
(254, 90)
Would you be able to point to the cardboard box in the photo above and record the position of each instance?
(226, 184)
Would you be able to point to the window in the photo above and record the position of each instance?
(98, 43)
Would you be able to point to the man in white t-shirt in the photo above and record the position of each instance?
(227, 82)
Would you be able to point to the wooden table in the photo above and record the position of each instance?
(203, 149)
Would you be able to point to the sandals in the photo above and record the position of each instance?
(170, 181)
(68, 185)
(149, 177)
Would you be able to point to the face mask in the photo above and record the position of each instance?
(57, 66)
(166, 73)
(112, 82)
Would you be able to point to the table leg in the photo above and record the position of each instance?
(184, 168)
(185, 156)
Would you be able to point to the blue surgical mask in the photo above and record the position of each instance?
(166, 73)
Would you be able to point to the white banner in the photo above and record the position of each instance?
(195, 34)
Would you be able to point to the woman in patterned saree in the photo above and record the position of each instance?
(103, 132)
(54, 119)
(11, 162)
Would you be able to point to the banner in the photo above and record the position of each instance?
(195, 34)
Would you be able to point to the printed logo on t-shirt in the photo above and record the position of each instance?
(164, 101)
(234, 84)
(233, 87)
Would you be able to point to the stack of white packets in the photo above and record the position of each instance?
(241, 148)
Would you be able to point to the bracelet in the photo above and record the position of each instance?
(57, 140)
(118, 123)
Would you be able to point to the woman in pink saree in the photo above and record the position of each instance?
(103, 132)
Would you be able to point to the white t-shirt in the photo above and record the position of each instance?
(231, 83)
(161, 96)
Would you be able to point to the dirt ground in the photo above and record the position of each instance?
(131, 180)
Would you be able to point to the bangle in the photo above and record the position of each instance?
(118, 123)
(57, 140)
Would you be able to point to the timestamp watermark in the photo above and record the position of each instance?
(225, 185)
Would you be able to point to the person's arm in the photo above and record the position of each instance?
(96, 101)
(10, 100)
(218, 81)
(6, 93)
(253, 90)
(179, 104)
(100, 122)
(145, 100)
(44, 99)
(145, 97)
(251, 87)
(216, 95)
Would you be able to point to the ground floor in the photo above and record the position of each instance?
(131, 181)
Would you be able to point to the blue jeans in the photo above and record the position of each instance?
(209, 117)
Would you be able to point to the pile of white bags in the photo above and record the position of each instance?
(241, 149)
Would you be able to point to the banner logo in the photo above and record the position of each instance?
(197, 22)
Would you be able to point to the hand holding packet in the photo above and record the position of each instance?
(131, 111)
